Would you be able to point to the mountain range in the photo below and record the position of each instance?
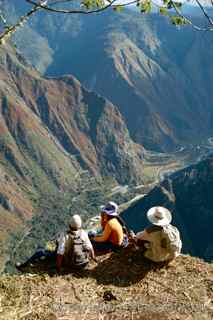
(158, 75)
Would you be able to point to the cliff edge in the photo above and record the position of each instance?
(121, 286)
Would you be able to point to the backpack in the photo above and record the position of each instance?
(127, 232)
(76, 253)
(171, 240)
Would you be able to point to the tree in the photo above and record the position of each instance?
(170, 8)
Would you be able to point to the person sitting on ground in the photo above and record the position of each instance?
(41, 254)
(74, 248)
(113, 236)
(161, 241)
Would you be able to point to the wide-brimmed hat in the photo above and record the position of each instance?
(159, 216)
(110, 209)
(75, 222)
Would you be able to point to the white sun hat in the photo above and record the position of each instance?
(159, 216)
(75, 222)
(110, 209)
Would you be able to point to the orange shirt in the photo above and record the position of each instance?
(113, 232)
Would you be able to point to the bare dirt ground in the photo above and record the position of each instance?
(121, 286)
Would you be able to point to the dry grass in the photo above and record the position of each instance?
(120, 286)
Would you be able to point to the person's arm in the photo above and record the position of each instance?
(105, 236)
(146, 233)
(142, 235)
(92, 254)
(60, 251)
(61, 244)
(88, 244)
(142, 238)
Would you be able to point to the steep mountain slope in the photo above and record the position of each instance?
(31, 162)
(159, 76)
(150, 70)
(84, 124)
(188, 193)
(50, 130)
(37, 51)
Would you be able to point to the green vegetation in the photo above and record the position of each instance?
(54, 209)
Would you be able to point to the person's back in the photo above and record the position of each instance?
(76, 252)
(113, 236)
(159, 246)
(162, 240)
(116, 234)
(74, 247)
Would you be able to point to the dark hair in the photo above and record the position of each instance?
(109, 217)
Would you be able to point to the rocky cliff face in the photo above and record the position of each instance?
(188, 193)
(147, 68)
(82, 123)
(51, 130)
